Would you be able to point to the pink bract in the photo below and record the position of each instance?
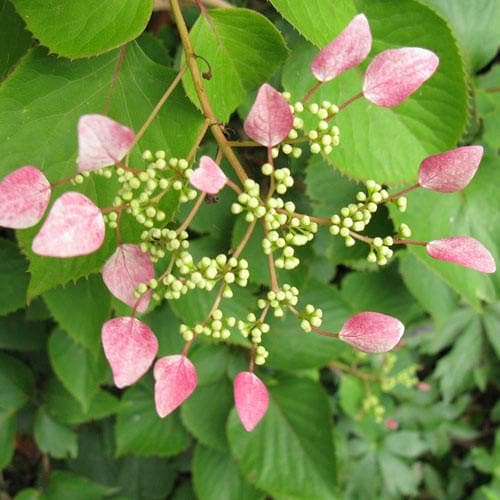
(450, 171)
(130, 348)
(372, 332)
(251, 399)
(464, 251)
(349, 49)
(208, 177)
(101, 142)
(128, 267)
(24, 196)
(74, 227)
(270, 119)
(395, 74)
(176, 379)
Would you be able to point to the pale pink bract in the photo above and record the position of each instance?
(128, 267)
(464, 251)
(372, 332)
(350, 48)
(450, 171)
(251, 399)
(270, 119)
(395, 74)
(130, 348)
(101, 142)
(208, 177)
(176, 379)
(24, 196)
(74, 227)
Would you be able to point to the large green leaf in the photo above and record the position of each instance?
(20, 334)
(238, 64)
(216, 477)
(14, 39)
(472, 212)
(81, 309)
(90, 28)
(290, 453)
(140, 431)
(42, 101)
(53, 437)
(16, 383)
(63, 485)
(381, 143)
(13, 267)
(76, 368)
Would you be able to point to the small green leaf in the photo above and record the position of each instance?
(491, 321)
(238, 65)
(90, 28)
(405, 444)
(7, 436)
(351, 395)
(212, 469)
(290, 453)
(20, 334)
(16, 383)
(398, 477)
(13, 269)
(54, 438)
(140, 431)
(63, 485)
(81, 309)
(79, 372)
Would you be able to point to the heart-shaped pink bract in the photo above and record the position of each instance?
(270, 119)
(124, 271)
(346, 51)
(74, 227)
(251, 399)
(395, 74)
(176, 379)
(464, 251)
(372, 332)
(208, 177)
(24, 196)
(130, 348)
(450, 171)
(101, 142)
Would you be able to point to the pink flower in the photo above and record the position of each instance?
(450, 171)
(130, 348)
(176, 379)
(24, 196)
(372, 332)
(392, 424)
(395, 74)
(208, 177)
(464, 251)
(251, 399)
(74, 227)
(270, 119)
(124, 271)
(346, 51)
(101, 142)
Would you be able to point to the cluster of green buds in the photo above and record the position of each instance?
(372, 405)
(311, 317)
(253, 327)
(282, 177)
(217, 326)
(280, 300)
(250, 202)
(380, 250)
(158, 241)
(406, 377)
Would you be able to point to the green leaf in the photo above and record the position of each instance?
(210, 359)
(318, 21)
(79, 372)
(7, 436)
(398, 477)
(491, 321)
(213, 469)
(63, 485)
(351, 395)
(13, 267)
(81, 309)
(14, 39)
(90, 28)
(16, 383)
(205, 413)
(470, 212)
(290, 453)
(238, 65)
(382, 143)
(140, 431)
(54, 438)
(405, 444)
(29, 494)
(476, 24)
(432, 293)
(454, 370)
(65, 90)
(20, 334)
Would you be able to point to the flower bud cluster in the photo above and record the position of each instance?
(380, 250)
(217, 326)
(311, 317)
(406, 378)
(280, 300)
(250, 202)
(158, 241)
(253, 327)
(371, 404)
(282, 177)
